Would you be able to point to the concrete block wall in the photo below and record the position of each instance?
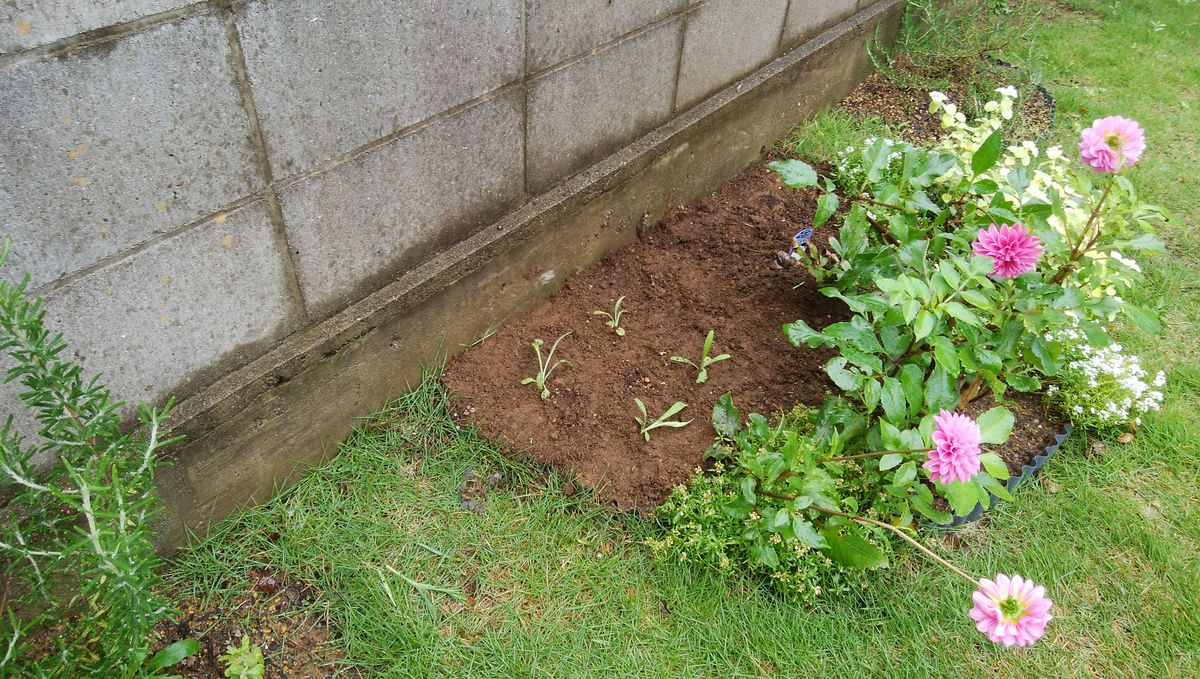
(197, 188)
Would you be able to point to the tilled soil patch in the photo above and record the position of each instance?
(706, 267)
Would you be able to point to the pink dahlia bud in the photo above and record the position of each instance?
(1011, 611)
(956, 455)
(1110, 143)
(1013, 249)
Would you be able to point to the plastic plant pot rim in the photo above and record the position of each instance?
(1028, 472)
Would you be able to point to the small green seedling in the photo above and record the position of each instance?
(243, 662)
(662, 421)
(705, 361)
(614, 319)
(545, 366)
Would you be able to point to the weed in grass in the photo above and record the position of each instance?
(662, 420)
(545, 365)
(705, 359)
(614, 318)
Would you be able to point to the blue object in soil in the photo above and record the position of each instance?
(1028, 472)
(802, 237)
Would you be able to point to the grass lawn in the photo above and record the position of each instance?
(564, 589)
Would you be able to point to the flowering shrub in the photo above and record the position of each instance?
(1102, 388)
(964, 267)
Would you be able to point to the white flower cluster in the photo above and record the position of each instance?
(1103, 387)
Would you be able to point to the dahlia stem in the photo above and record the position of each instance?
(1076, 251)
(898, 531)
(876, 453)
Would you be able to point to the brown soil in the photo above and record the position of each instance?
(274, 614)
(1032, 431)
(710, 266)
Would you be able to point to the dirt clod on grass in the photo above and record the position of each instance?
(274, 613)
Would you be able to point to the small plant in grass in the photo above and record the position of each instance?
(661, 421)
(75, 537)
(244, 661)
(705, 359)
(546, 365)
(614, 318)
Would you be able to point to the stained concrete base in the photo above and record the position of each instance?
(253, 432)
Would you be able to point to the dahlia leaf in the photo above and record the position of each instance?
(995, 425)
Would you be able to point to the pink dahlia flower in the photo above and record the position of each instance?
(956, 455)
(1013, 249)
(1011, 611)
(1110, 143)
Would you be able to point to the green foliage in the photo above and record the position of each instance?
(614, 318)
(243, 662)
(76, 532)
(664, 420)
(705, 360)
(933, 326)
(546, 366)
(755, 512)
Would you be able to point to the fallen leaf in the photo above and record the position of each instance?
(1127, 437)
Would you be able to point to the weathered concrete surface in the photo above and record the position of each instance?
(189, 304)
(31, 23)
(725, 40)
(254, 430)
(108, 145)
(589, 108)
(400, 202)
(558, 30)
(806, 18)
(330, 76)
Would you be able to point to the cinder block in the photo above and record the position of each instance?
(364, 221)
(587, 109)
(559, 30)
(806, 18)
(31, 23)
(330, 76)
(103, 147)
(182, 311)
(726, 39)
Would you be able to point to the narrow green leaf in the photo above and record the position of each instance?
(994, 465)
(890, 461)
(726, 418)
(173, 654)
(995, 425)
(1144, 318)
(795, 174)
(987, 154)
(827, 204)
(853, 550)
(895, 405)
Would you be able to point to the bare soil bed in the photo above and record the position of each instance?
(710, 266)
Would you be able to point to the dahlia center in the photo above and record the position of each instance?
(1113, 140)
(1011, 609)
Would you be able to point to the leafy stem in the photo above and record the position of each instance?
(545, 365)
(662, 420)
(614, 318)
(705, 360)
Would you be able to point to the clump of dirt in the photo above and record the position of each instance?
(274, 613)
(711, 266)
